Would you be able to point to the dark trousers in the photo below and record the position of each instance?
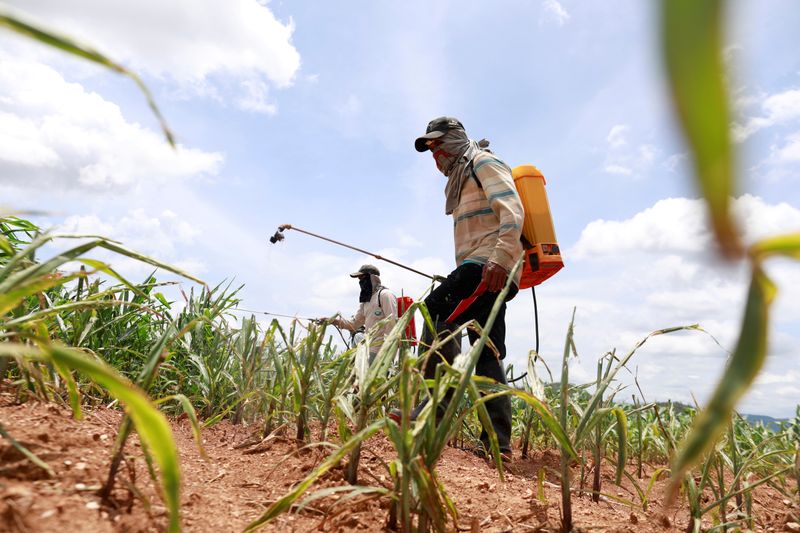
(460, 284)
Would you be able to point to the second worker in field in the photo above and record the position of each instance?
(376, 304)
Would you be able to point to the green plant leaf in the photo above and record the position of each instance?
(187, 407)
(784, 245)
(622, 441)
(691, 40)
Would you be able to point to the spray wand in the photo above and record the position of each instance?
(312, 320)
(278, 236)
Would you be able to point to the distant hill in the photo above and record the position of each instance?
(767, 421)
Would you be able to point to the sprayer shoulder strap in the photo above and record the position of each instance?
(474, 174)
(380, 305)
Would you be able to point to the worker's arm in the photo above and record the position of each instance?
(498, 184)
(352, 324)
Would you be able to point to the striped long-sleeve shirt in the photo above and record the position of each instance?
(488, 219)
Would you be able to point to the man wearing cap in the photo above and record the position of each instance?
(376, 303)
(487, 215)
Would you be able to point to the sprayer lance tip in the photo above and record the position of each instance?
(277, 237)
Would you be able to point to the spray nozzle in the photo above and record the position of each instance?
(278, 236)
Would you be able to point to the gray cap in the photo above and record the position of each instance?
(364, 270)
(436, 128)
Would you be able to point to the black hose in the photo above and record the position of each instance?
(536, 324)
(535, 317)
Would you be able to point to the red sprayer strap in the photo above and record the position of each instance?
(466, 302)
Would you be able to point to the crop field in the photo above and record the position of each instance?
(300, 426)
(156, 404)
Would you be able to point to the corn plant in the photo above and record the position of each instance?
(373, 382)
(304, 356)
(713, 475)
(592, 413)
(416, 491)
(332, 377)
(533, 386)
(420, 443)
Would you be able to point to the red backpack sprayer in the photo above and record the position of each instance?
(542, 253)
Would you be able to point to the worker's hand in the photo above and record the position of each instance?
(494, 276)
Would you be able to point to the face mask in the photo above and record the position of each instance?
(366, 289)
(444, 160)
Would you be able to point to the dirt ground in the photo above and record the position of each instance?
(236, 484)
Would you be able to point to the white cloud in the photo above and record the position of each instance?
(152, 234)
(55, 133)
(616, 137)
(164, 237)
(678, 225)
(624, 159)
(673, 162)
(193, 42)
(674, 225)
(254, 97)
(760, 219)
(768, 378)
(553, 11)
(618, 169)
(657, 269)
(789, 152)
(776, 109)
(406, 240)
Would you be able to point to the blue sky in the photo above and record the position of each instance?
(305, 113)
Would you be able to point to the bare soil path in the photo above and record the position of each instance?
(236, 484)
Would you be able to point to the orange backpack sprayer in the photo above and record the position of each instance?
(542, 254)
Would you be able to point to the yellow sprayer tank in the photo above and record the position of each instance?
(542, 254)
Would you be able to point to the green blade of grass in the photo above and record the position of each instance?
(691, 40)
(546, 416)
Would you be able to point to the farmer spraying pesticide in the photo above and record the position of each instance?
(488, 217)
(377, 304)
